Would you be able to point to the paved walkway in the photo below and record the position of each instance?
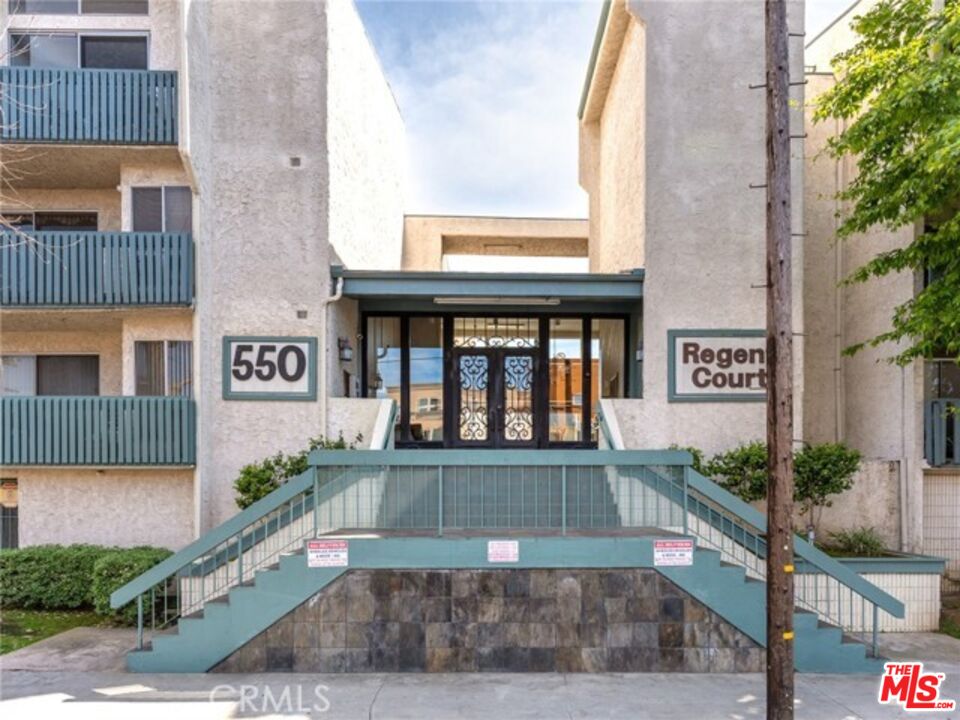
(76, 675)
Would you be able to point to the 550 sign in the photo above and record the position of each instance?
(269, 368)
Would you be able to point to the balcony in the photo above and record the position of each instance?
(95, 269)
(941, 421)
(93, 107)
(121, 431)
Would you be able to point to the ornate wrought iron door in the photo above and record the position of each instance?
(494, 392)
(473, 416)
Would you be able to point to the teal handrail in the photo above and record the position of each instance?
(89, 106)
(555, 458)
(95, 269)
(211, 540)
(826, 564)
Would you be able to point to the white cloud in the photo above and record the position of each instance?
(491, 109)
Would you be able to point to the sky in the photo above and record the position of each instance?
(489, 93)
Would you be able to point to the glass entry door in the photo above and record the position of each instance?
(494, 397)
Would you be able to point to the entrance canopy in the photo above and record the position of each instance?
(423, 290)
(496, 360)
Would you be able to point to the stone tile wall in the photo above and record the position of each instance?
(617, 620)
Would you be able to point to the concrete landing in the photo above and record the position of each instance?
(83, 649)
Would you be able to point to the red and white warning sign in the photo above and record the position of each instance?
(672, 552)
(327, 553)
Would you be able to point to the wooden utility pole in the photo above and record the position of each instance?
(779, 371)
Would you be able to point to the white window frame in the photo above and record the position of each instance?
(78, 34)
(62, 353)
(166, 374)
(79, 12)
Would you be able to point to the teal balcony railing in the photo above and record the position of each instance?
(84, 269)
(97, 431)
(941, 422)
(101, 107)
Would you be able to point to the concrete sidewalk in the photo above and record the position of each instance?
(100, 691)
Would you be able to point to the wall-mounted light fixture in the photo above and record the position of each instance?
(346, 350)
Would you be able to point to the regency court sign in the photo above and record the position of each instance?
(716, 365)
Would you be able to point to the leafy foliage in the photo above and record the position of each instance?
(259, 479)
(899, 91)
(696, 453)
(48, 577)
(67, 577)
(114, 570)
(820, 471)
(859, 542)
(742, 471)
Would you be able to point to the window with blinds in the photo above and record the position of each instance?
(164, 367)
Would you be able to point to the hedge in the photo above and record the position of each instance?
(49, 577)
(68, 577)
(116, 569)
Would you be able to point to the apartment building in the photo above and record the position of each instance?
(206, 261)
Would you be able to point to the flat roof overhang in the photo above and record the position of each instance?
(459, 288)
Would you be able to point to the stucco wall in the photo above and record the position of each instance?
(262, 247)
(104, 342)
(873, 501)
(366, 146)
(351, 417)
(428, 237)
(704, 228)
(161, 23)
(836, 37)
(105, 507)
(613, 152)
(105, 202)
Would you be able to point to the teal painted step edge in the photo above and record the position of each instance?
(203, 642)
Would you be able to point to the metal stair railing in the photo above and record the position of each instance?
(557, 490)
(229, 555)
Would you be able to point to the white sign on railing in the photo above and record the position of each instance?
(269, 368)
(716, 365)
(503, 551)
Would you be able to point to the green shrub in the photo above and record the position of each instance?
(114, 570)
(49, 577)
(259, 479)
(820, 471)
(698, 461)
(859, 542)
(742, 471)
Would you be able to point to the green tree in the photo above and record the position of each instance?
(742, 471)
(820, 471)
(899, 91)
(259, 479)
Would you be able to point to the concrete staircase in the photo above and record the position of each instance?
(206, 638)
